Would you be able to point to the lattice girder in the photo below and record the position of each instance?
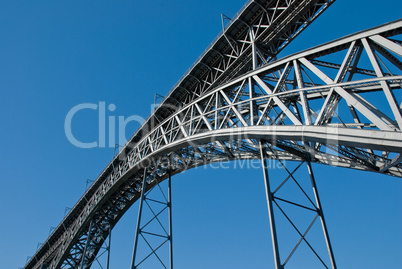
(342, 111)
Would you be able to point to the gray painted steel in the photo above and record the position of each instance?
(324, 103)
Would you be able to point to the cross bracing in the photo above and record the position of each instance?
(338, 103)
(270, 25)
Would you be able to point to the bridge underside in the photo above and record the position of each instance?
(337, 104)
(241, 144)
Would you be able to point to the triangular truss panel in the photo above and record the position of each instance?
(336, 104)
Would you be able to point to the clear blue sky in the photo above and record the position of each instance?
(55, 55)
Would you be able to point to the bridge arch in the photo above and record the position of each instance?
(280, 102)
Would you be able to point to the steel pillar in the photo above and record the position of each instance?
(146, 224)
(274, 199)
(170, 221)
(320, 212)
(88, 259)
(270, 208)
(108, 249)
(137, 232)
(82, 263)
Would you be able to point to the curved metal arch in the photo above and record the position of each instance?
(185, 157)
(297, 102)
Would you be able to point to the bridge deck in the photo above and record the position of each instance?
(274, 24)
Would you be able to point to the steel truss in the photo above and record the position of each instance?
(339, 103)
(157, 235)
(274, 199)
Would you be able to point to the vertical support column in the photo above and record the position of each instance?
(108, 248)
(86, 246)
(253, 108)
(321, 214)
(252, 103)
(270, 208)
(157, 205)
(253, 48)
(170, 221)
(137, 232)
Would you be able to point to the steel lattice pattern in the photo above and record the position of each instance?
(337, 104)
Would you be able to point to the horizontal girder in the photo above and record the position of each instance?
(346, 112)
(271, 25)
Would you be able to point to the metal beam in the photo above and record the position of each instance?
(321, 214)
(271, 214)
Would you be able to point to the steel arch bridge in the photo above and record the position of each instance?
(337, 104)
